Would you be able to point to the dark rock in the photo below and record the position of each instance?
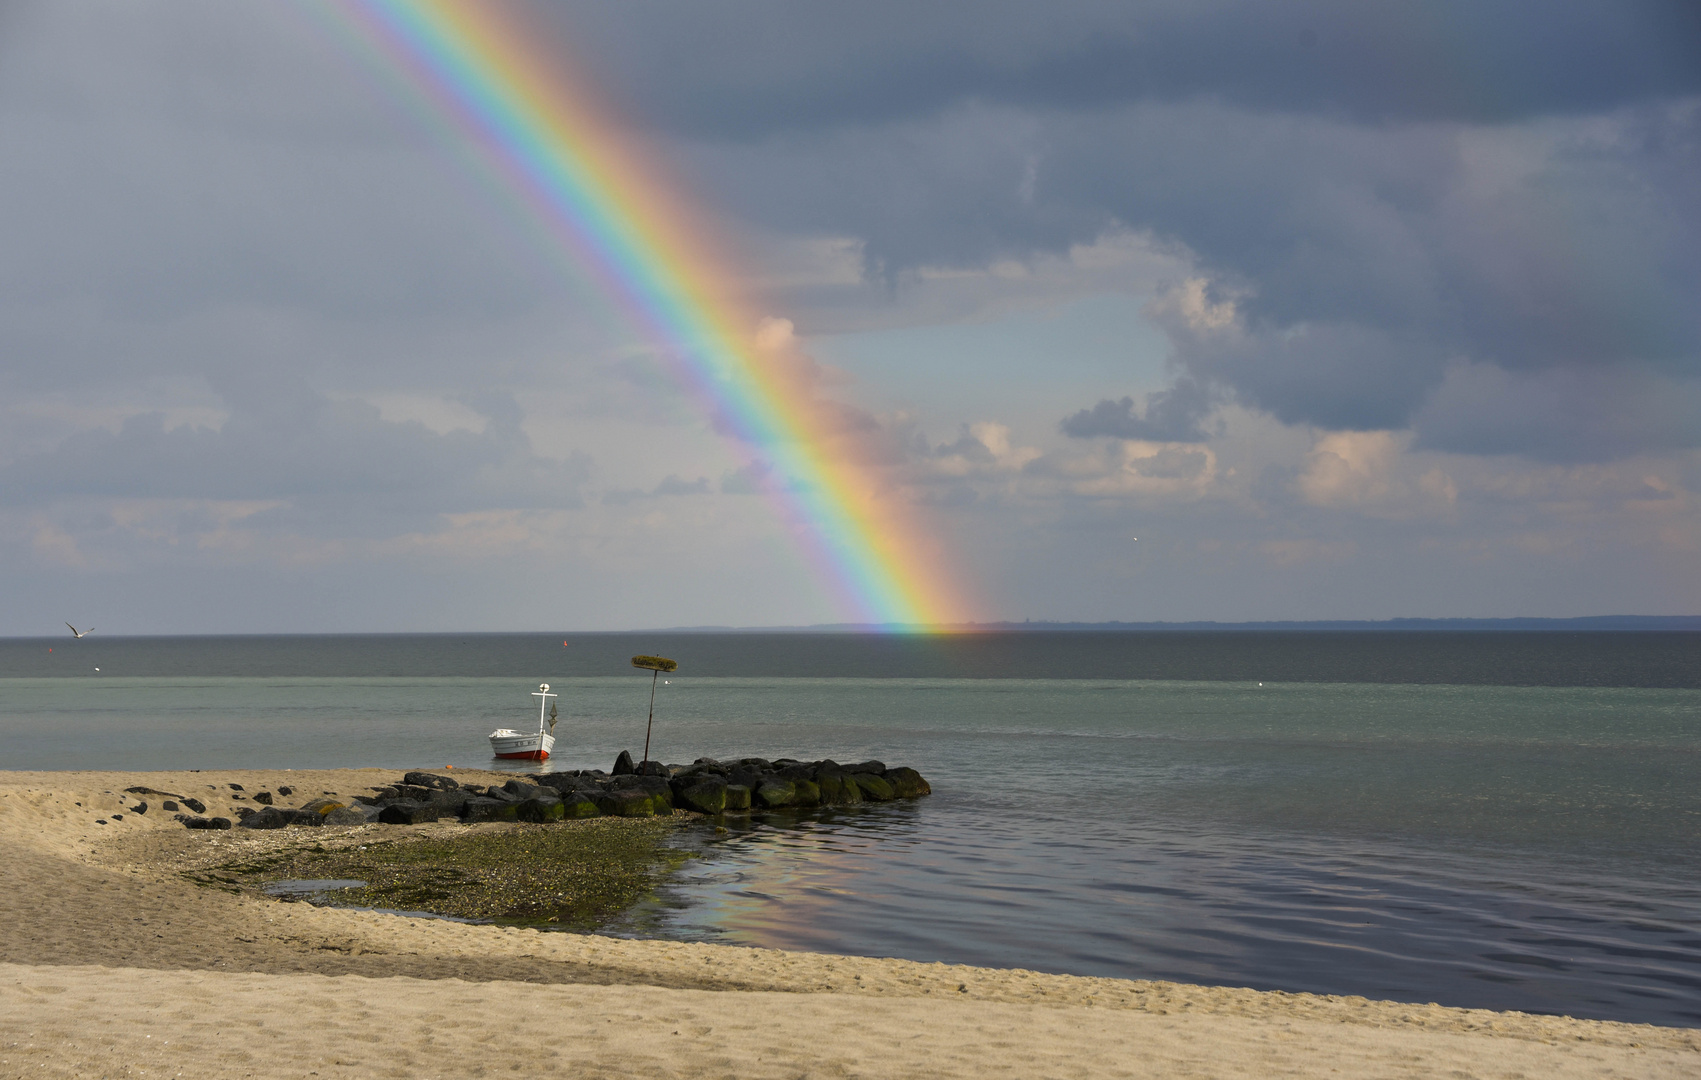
(139, 790)
(450, 802)
(285, 790)
(875, 788)
(196, 805)
(115, 817)
(430, 780)
(140, 807)
(487, 809)
(748, 777)
(831, 781)
(323, 805)
(652, 768)
(343, 815)
(204, 823)
(219, 823)
(168, 806)
(704, 793)
(700, 769)
(578, 804)
(808, 793)
(707, 761)
(518, 791)
(627, 802)
(277, 817)
(907, 783)
(874, 767)
(775, 793)
(623, 764)
(659, 788)
(239, 796)
(563, 783)
(760, 765)
(837, 788)
(407, 813)
(852, 792)
(264, 798)
(237, 787)
(737, 797)
(540, 808)
(796, 772)
(385, 794)
(243, 813)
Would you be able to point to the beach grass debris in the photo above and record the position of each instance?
(579, 875)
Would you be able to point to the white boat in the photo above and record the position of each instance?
(528, 746)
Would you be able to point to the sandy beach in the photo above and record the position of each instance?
(112, 963)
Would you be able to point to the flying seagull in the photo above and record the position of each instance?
(80, 633)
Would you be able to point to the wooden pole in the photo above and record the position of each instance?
(654, 675)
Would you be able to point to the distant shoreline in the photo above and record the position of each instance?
(1589, 623)
(1578, 624)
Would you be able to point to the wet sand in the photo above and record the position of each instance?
(113, 963)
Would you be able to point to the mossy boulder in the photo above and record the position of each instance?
(775, 793)
(540, 808)
(276, 817)
(704, 793)
(837, 788)
(578, 804)
(808, 793)
(406, 812)
(907, 783)
(629, 802)
(875, 788)
(487, 809)
(737, 797)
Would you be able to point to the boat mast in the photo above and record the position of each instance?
(543, 695)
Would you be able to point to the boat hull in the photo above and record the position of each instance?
(518, 746)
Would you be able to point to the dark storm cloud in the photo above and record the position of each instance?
(1387, 190)
(1173, 415)
(1361, 261)
(746, 68)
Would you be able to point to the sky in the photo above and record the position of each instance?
(1204, 310)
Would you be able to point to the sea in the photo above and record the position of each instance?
(1503, 820)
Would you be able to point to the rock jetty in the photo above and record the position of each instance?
(641, 789)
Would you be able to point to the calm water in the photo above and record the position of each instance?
(1499, 820)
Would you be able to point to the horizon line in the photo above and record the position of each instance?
(1625, 623)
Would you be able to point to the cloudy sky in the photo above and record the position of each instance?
(1343, 310)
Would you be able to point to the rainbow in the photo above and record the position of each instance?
(602, 203)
